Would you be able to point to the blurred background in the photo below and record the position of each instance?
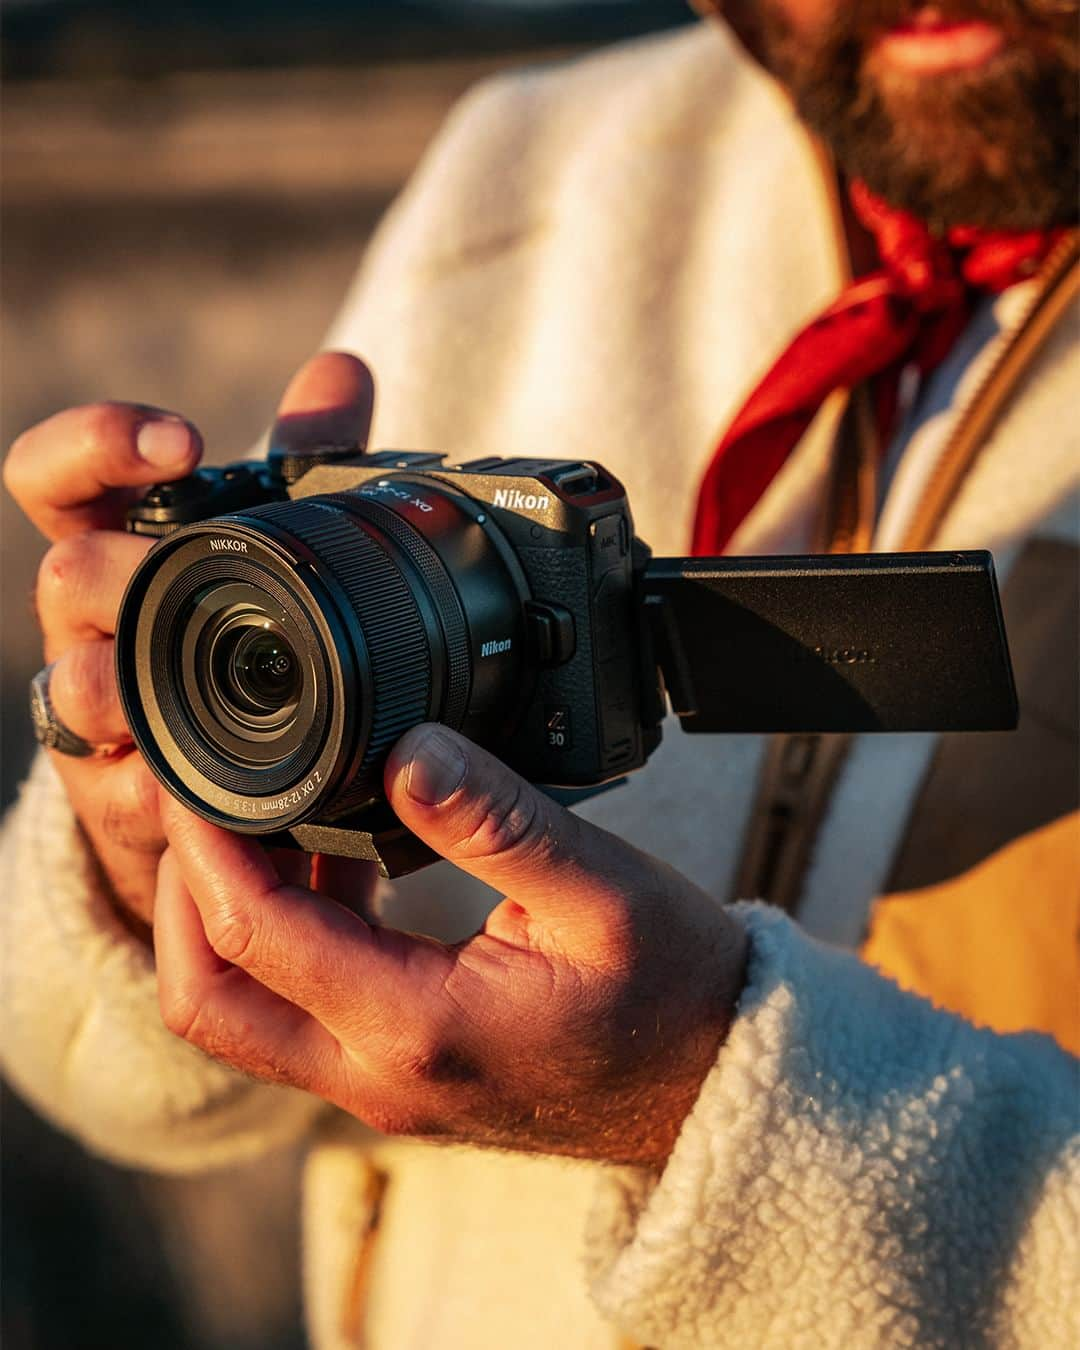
(187, 188)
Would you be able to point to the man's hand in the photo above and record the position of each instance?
(75, 476)
(581, 1020)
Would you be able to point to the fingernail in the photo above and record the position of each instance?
(435, 770)
(165, 444)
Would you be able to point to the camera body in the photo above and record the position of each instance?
(589, 706)
(497, 596)
(299, 615)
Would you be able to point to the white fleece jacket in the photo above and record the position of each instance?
(577, 271)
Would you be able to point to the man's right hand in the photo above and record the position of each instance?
(75, 476)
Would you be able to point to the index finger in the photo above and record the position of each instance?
(304, 947)
(80, 469)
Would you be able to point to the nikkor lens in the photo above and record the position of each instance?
(269, 660)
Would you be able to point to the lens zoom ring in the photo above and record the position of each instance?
(442, 590)
(393, 628)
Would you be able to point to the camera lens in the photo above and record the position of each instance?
(255, 670)
(268, 660)
(234, 667)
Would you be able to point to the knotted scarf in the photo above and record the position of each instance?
(908, 312)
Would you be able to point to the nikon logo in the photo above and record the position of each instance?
(496, 648)
(228, 545)
(516, 500)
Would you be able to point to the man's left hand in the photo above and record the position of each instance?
(581, 1020)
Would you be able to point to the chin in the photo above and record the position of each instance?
(951, 180)
(961, 150)
(958, 153)
(995, 144)
(941, 198)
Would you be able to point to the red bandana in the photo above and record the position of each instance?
(909, 311)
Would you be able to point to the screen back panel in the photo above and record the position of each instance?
(871, 642)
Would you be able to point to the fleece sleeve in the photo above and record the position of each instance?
(860, 1170)
(80, 1033)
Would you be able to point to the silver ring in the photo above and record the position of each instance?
(49, 731)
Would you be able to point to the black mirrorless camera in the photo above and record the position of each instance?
(299, 615)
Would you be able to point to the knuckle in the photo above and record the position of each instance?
(231, 932)
(63, 571)
(83, 685)
(190, 1017)
(181, 1011)
(105, 429)
(515, 829)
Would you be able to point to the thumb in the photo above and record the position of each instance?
(330, 401)
(570, 876)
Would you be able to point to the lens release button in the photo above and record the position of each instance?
(552, 638)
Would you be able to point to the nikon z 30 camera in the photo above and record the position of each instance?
(298, 615)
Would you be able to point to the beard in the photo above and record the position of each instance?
(994, 146)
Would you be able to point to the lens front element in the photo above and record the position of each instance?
(264, 670)
(254, 670)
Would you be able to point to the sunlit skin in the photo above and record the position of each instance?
(581, 1020)
(584, 1017)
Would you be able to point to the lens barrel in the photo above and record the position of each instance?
(268, 660)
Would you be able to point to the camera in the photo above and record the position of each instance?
(298, 615)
